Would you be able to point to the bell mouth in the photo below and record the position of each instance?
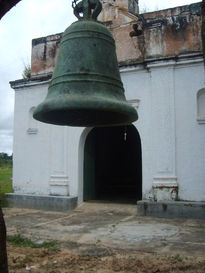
(90, 114)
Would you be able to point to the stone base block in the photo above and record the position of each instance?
(171, 209)
(41, 202)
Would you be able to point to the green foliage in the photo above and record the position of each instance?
(5, 181)
(20, 241)
(26, 72)
(5, 160)
(178, 258)
(5, 173)
(5, 187)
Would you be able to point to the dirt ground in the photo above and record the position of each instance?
(100, 261)
(103, 238)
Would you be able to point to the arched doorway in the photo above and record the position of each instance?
(112, 164)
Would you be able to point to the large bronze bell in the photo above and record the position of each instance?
(86, 89)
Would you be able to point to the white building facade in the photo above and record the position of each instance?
(164, 153)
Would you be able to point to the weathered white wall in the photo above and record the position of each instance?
(49, 160)
(27, 176)
(40, 150)
(190, 135)
(173, 153)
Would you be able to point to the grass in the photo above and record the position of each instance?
(5, 173)
(178, 258)
(20, 241)
(5, 182)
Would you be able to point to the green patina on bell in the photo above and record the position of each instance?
(86, 89)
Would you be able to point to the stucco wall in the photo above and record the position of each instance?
(162, 71)
(50, 160)
(29, 137)
(40, 151)
(164, 34)
(172, 139)
(190, 135)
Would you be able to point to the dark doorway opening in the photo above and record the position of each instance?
(113, 165)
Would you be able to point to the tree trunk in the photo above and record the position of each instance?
(6, 5)
(203, 27)
(3, 252)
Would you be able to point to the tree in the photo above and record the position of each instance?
(203, 27)
(4, 156)
(6, 5)
(3, 252)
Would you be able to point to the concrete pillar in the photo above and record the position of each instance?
(59, 184)
(164, 181)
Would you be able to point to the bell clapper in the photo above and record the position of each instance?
(125, 133)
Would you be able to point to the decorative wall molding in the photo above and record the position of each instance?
(165, 188)
(179, 62)
(32, 131)
(165, 182)
(59, 185)
(59, 182)
(163, 125)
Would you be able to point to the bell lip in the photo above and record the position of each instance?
(110, 114)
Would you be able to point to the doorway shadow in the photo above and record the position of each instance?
(113, 165)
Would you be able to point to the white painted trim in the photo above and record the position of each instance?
(161, 63)
(176, 63)
(29, 84)
(59, 185)
(81, 146)
(165, 182)
(132, 68)
(59, 176)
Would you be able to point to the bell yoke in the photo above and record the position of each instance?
(86, 89)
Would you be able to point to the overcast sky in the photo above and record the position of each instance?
(33, 19)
